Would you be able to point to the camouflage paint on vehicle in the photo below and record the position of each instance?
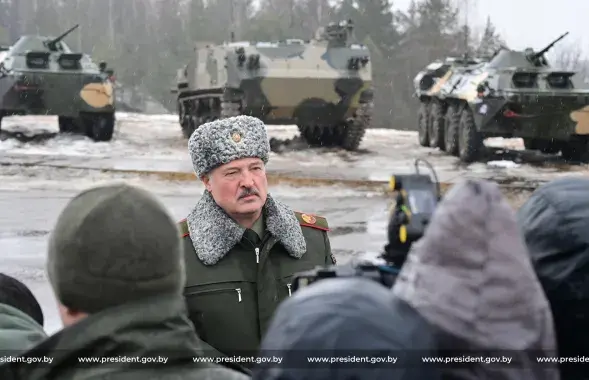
(41, 75)
(429, 84)
(324, 85)
(512, 94)
(430, 81)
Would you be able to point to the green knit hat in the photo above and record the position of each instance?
(112, 245)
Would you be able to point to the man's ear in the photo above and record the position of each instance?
(206, 180)
(70, 316)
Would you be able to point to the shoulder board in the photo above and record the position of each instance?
(313, 221)
(183, 228)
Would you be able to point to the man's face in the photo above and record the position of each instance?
(239, 187)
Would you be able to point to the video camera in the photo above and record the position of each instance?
(383, 274)
(416, 199)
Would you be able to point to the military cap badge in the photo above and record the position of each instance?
(236, 137)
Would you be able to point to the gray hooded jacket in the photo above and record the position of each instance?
(18, 331)
(471, 278)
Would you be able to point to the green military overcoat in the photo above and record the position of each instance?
(235, 281)
(150, 328)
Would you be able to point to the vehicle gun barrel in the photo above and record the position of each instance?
(51, 44)
(545, 50)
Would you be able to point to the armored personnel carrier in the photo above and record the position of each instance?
(511, 94)
(41, 75)
(323, 86)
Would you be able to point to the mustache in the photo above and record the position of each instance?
(248, 191)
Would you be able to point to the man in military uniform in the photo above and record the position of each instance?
(242, 245)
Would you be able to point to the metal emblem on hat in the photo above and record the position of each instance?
(236, 137)
(310, 219)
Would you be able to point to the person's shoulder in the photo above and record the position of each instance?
(213, 371)
(312, 221)
(183, 226)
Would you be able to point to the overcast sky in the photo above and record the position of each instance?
(530, 23)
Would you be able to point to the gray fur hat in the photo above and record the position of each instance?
(221, 141)
(112, 245)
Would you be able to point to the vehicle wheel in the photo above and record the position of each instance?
(230, 109)
(469, 139)
(422, 124)
(188, 126)
(576, 149)
(531, 144)
(436, 126)
(68, 125)
(451, 127)
(549, 146)
(100, 127)
(333, 135)
(351, 136)
(313, 135)
(544, 146)
(354, 129)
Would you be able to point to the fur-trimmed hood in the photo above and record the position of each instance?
(214, 233)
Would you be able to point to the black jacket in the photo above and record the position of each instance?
(555, 224)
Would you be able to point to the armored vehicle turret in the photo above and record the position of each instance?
(323, 85)
(511, 94)
(42, 75)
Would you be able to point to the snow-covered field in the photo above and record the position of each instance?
(156, 140)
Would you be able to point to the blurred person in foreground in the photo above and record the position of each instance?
(242, 245)
(555, 225)
(115, 263)
(470, 277)
(21, 317)
(344, 318)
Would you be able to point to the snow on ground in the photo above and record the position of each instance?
(383, 152)
(156, 136)
(159, 136)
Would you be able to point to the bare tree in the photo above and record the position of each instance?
(571, 57)
(568, 57)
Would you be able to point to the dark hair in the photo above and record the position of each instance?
(16, 294)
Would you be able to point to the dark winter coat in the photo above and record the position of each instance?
(346, 318)
(155, 327)
(555, 225)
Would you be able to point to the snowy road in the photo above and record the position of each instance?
(358, 220)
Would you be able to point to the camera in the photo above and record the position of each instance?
(417, 197)
(383, 274)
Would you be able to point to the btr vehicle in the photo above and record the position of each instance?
(511, 94)
(324, 86)
(41, 75)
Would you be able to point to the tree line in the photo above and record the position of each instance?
(146, 41)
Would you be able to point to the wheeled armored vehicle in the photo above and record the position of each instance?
(41, 75)
(324, 86)
(511, 94)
